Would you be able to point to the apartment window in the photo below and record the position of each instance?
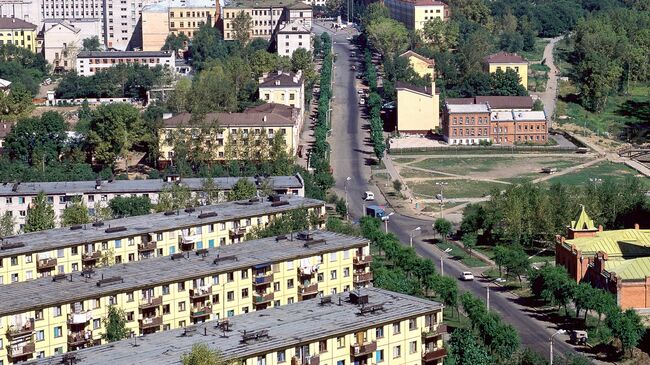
(112, 300)
(159, 236)
(181, 306)
(396, 328)
(290, 284)
(340, 342)
(320, 277)
(244, 293)
(129, 297)
(97, 323)
(40, 335)
(244, 274)
(413, 324)
(129, 317)
(276, 286)
(8, 200)
(38, 315)
(413, 347)
(282, 356)
(333, 257)
(130, 241)
(104, 246)
(215, 299)
(322, 346)
(397, 352)
(181, 286)
(58, 332)
(230, 277)
(346, 272)
(165, 289)
(379, 332)
(14, 261)
(56, 311)
(14, 278)
(118, 243)
(181, 323)
(290, 300)
(166, 309)
(230, 296)
(289, 265)
(118, 259)
(215, 279)
(131, 257)
(333, 275)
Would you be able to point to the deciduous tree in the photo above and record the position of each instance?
(241, 27)
(7, 224)
(40, 215)
(75, 213)
(129, 206)
(202, 354)
(91, 44)
(388, 36)
(443, 227)
(115, 324)
(243, 189)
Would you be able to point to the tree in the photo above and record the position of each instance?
(207, 44)
(102, 213)
(583, 298)
(552, 284)
(115, 324)
(516, 261)
(175, 197)
(388, 36)
(241, 27)
(40, 215)
(397, 185)
(7, 224)
(530, 357)
(15, 104)
(75, 213)
(538, 105)
(374, 12)
(175, 42)
(469, 241)
(506, 83)
(114, 129)
(37, 141)
(302, 59)
(91, 44)
(443, 227)
(447, 289)
(202, 354)
(627, 326)
(341, 207)
(210, 191)
(442, 35)
(129, 206)
(500, 257)
(573, 359)
(465, 350)
(107, 258)
(602, 302)
(243, 189)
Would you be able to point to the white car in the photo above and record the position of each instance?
(466, 276)
(368, 196)
(362, 101)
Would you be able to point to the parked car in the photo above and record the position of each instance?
(368, 196)
(362, 101)
(466, 276)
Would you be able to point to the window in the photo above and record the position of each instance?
(379, 356)
(244, 274)
(39, 314)
(396, 328)
(97, 323)
(333, 275)
(333, 257)
(261, 360)
(40, 335)
(413, 347)
(14, 261)
(165, 289)
(282, 356)
(181, 306)
(322, 346)
(215, 279)
(230, 277)
(276, 286)
(244, 293)
(413, 324)
(290, 284)
(215, 299)
(230, 296)
(397, 352)
(340, 342)
(181, 286)
(56, 311)
(118, 243)
(379, 332)
(320, 277)
(166, 309)
(58, 332)
(129, 297)
(289, 265)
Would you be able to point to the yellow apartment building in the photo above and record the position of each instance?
(368, 326)
(415, 13)
(64, 313)
(229, 136)
(72, 249)
(504, 61)
(285, 88)
(18, 32)
(266, 16)
(417, 108)
(421, 65)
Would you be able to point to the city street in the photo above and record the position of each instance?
(350, 156)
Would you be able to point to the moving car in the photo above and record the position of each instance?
(368, 196)
(466, 276)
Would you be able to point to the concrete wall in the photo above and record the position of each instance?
(155, 29)
(416, 112)
(521, 68)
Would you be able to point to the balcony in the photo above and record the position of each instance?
(80, 317)
(186, 243)
(364, 349)
(433, 355)
(46, 264)
(15, 332)
(80, 338)
(17, 351)
(362, 260)
(263, 280)
(201, 312)
(322, 219)
(437, 331)
(91, 256)
(147, 246)
(305, 291)
(149, 303)
(237, 232)
(151, 322)
(306, 272)
(263, 299)
(309, 360)
(362, 277)
(201, 292)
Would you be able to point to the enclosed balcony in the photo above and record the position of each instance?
(360, 278)
(308, 360)
(150, 323)
(439, 330)
(23, 350)
(150, 303)
(237, 232)
(45, 264)
(80, 317)
(16, 332)
(307, 291)
(79, 339)
(147, 246)
(261, 280)
(201, 312)
(90, 257)
(186, 243)
(260, 299)
(434, 355)
(200, 292)
(362, 260)
(364, 349)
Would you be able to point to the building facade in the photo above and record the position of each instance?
(504, 61)
(417, 108)
(160, 294)
(292, 36)
(423, 66)
(69, 250)
(369, 326)
(617, 261)
(62, 41)
(266, 17)
(258, 125)
(466, 124)
(88, 63)
(415, 13)
(285, 88)
(18, 32)
(15, 198)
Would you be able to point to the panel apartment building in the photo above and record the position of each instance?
(266, 16)
(15, 198)
(415, 13)
(370, 326)
(65, 313)
(70, 250)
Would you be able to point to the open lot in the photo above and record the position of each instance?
(604, 170)
(457, 188)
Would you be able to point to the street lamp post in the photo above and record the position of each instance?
(488, 296)
(442, 186)
(347, 213)
(386, 220)
(442, 263)
(411, 235)
(551, 340)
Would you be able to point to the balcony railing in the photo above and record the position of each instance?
(46, 264)
(147, 246)
(362, 260)
(263, 299)
(362, 277)
(91, 256)
(201, 292)
(201, 312)
(80, 338)
(363, 349)
(149, 303)
(434, 354)
(307, 290)
(309, 360)
(306, 272)
(80, 317)
(263, 279)
(237, 232)
(437, 331)
(16, 351)
(151, 322)
(15, 332)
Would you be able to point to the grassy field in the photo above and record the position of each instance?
(469, 166)
(459, 254)
(460, 188)
(407, 173)
(403, 160)
(537, 53)
(604, 170)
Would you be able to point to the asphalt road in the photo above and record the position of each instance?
(349, 158)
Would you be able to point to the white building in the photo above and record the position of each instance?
(88, 63)
(291, 36)
(62, 40)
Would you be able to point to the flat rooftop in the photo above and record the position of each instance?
(121, 54)
(467, 108)
(259, 4)
(287, 326)
(53, 239)
(133, 186)
(147, 273)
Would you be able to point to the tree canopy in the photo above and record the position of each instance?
(40, 215)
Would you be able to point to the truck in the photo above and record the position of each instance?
(377, 212)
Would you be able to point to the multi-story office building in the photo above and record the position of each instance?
(18, 32)
(65, 313)
(69, 250)
(15, 198)
(291, 36)
(369, 326)
(175, 17)
(266, 16)
(88, 63)
(415, 13)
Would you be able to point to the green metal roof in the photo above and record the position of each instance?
(633, 269)
(622, 243)
(583, 223)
